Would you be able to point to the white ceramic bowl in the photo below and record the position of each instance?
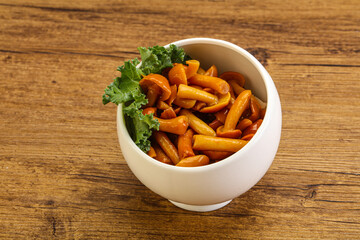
(213, 186)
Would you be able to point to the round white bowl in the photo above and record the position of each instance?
(210, 187)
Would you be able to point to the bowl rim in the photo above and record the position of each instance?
(266, 121)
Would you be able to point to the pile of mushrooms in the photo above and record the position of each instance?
(179, 95)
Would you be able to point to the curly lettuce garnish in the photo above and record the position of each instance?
(127, 91)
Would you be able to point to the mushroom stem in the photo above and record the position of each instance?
(168, 113)
(234, 133)
(152, 95)
(201, 71)
(215, 124)
(192, 68)
(252, 129)
(224, 100)
(217, 155)
(202, 142)
(255, 109)
(162, 105)
(197, 124)
(177, 75)
(221, 115)
(188, 92)
(238, 77)
(194, 161)
(151, 152)
(248, 137)
(212, 71)
(244, 124)
(176, 125)
(236, 87)
(218, 84)
(172, 97)
(167, 146)
(241, 103)
(184, 103)
(185, 144)
(161, 156)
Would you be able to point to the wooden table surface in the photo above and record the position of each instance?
(62, 174)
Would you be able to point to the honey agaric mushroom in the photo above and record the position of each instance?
(203, 143)
(234, 133)
(173, 94)
(167, 146)
(216, 155)
(235, 86)
(253, 127)
(177, 125)
(151, 152)
(229, 129)
(221, 115)
(168, 113)
(201, 71)
(158, 80)
(152, 95)
(244, 123)
(209, 90)
(232, 97)
(218, 84)
(198, 106)
(192, 68)
(161, 156)
(149, 110)
(162, 105)
(215, 124)
(177, 75)
(185, 144)
(177, 110)
(188, 92)
(248, 137)
(197, 124)
(224, 100)
(212, 71)
(255, 109)
(184, 103)
(238, 77)
(194, 161)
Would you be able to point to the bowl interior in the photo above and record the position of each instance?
(226, 57)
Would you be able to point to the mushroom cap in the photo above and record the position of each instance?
(224, 100)
(253, 127)
(158, 80)
(233, 133)
(192, 68)
(177, 75)
(238, 77)
(212, 71)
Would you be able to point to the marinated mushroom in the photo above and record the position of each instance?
(229, 129)
(150, 81)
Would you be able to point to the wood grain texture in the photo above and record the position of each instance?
(62, 175)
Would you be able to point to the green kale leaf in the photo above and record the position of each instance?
(140, 129)
(126, 89)
(155, 59)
